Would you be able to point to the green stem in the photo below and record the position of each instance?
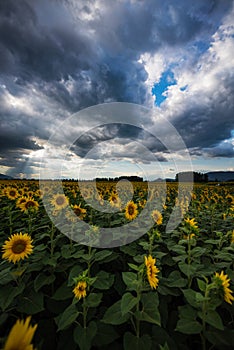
(138, 305)
(204, 310)
(29, 223)
(151, 242)
(89, 263)
(137, 320)
(189, 262)
(52, 240)
(85, 310)
(10, 220)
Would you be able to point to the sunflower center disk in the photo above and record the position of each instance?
(131, 210)
(29, 204)
(18, 247)
(60, 201)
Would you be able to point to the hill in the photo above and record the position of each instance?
(5, 177)
(220, 176)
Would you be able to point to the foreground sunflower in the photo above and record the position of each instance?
(17, 247)
(60, 201)
(131, 210)
(222, 282)
(151, 271)
(80, 290)
(157, 217)
(20, 336)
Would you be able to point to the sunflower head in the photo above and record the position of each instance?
(151, 271)
(78, 211)
(28, 204)
(191, 224)
(80, 289)
(157, 217)
(222, 282)
(20, 336)
(17, 247)
(11, 193)
(59, 201)
(114, 200)
(131, 210)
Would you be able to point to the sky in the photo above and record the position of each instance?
(171, 61)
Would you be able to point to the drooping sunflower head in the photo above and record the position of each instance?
(131, 210)
(157, 217)
(223, 282)
(80, 290)
(59, 201)
(20, 336)
(151, 271)
(17, 247)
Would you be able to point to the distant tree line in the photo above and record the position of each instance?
(188, 176)
(129, 178)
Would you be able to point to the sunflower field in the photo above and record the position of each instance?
(161, 291)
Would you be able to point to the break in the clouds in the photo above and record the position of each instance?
(59, 57)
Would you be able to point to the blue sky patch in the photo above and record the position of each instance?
(167, 79)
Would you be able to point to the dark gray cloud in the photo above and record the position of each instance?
(58, 57)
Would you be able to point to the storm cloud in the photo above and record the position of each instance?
(58, 57)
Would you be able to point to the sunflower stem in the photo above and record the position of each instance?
(29, 223)
(10, 220)
(52, 240)
(204, 311)
(151, 242)
(85, 310)
(189, 261)
(137, 319)
(89, 261)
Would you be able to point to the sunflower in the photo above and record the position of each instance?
(78, 211)
(114, 200)
(39, 193)
(222, 282)
(20, 201)
(131, 210)
(21, 335)
(21, 191)
(28, 204)
(60, 201)
(17, 247)
(80, 290)
(151, 271)
(11, 193)
(191, 222)
(30, 194)
(157, 217)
